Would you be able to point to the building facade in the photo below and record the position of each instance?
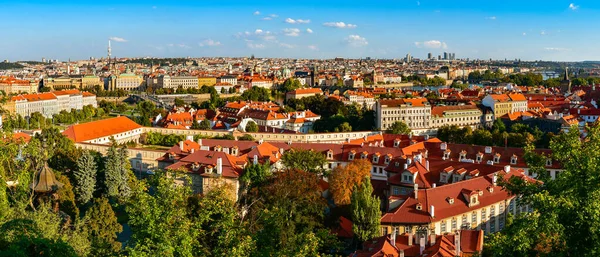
(415, 112)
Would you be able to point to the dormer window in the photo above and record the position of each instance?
(474, 200)
(375, 158)
(235, 151)
(443, 146)
(407, 178)
(218, 148)
(446, 155)
(479, 157)
(450, 200)
(490, 189)
(171, 156)
(419, 207)
(330, 154)
(364, 155)
(397, 164)
(488, 149)
(387, 159)
(497, 158)
(513, 160)
(195, 166)
(351, 156)
(463, 155)
(208, 169)
(479, 192)
(548, 162)
(397, 142)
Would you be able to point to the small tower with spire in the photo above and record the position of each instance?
(565, 84)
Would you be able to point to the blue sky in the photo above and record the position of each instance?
(529, 30)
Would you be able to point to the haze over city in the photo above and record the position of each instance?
(527, 30)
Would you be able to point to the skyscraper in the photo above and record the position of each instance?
(445, 56)
(429, 56)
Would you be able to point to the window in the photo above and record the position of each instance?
(473, 199)
(464, 221)
(493, 211)
(513, 160)
(396, 191)
(443, 226)
(492, 225)
(479, 157)
(483, 215)
(497, 158)
(474, 217)
(511, 206)
(351, 156)
(407, 178)
(453, 224)
(548, 162)
(501, 222)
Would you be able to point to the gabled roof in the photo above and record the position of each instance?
(101, 128)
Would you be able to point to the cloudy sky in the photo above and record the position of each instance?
(529, 30)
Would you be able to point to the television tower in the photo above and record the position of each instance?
(109, 50)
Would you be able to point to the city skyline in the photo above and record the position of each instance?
(536, 30)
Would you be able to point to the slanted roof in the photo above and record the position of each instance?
(99, 129)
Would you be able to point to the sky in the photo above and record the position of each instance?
(478, 29)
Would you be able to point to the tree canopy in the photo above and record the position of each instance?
(398, 128)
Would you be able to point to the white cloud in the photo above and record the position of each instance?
(543, 33)
(340, 25)
(293, 32)
(257, 13)
(310, 31)
(491, 18)
(118, 39)
(257, 34)
(273, 15)
(356, 41)
(313, 47)
(266, 18)
(524, 34)
(209, 42)
(556, 49)
(573, 7)
(284, 45)
(255, 46)
(183, 46)
(431, 44)
(298, 21)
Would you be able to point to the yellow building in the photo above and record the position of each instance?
(91, 81)
(206, 81)
(62, 82)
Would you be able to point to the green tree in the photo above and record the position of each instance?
(103, 227)
(399, 128)
(498, 126)
(305, 160)
(85, 177)
(344, 127)
(160, 222)
(256, 94)
(246, 137)
(117, 169)
(366, 212)
(179, 102)
(251, 127)
(256, 175)
(204, 125)
(564, 221)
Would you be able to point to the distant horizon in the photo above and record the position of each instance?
(561, 31)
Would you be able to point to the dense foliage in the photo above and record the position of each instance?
(565, 216)
(335, 115)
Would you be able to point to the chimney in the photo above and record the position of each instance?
(255, 159)
(416, 189)
(457, 243)
(432, 239)
(410, 239)
(421, 245)
(401, 252)
(219, 166)
(427, 165)
(405, 166)
(181, 145)
(200, 141)
(192, 150)
(495, 179)
(432, 211)
(189, 137)
(433, 185)
(507, 168)
(393, 236)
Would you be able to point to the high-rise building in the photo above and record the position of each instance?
(408, 58)
(429, 56)
(446, 56)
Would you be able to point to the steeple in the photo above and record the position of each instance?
(566, 73)
(44, 180)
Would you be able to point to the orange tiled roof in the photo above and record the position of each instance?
(98, 129)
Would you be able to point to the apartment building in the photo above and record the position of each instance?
(303, 92)
(360, 98)
(174, 82)
(459, 115)
(11, 85)
(505, 103)
(231, 79)
(125, 81)
(415, 112)
(49, 103)
(206, 81)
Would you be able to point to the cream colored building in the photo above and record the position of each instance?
(415, 112)
(459, 115)
(125, 81)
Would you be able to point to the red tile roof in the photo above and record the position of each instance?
(98, 129)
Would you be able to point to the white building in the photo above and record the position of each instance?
(415, 112)
(121, 129)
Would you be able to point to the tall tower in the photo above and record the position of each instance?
(565, 84)
(109, 50)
